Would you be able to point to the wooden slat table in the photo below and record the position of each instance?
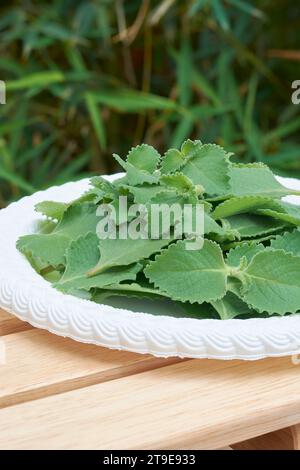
(56, 393)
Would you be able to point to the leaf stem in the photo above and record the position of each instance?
(132, 288)
(99, 269)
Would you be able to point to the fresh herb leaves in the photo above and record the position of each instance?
(249, 265)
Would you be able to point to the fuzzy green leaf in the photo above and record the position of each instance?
(243, 204)
(105, 187)
(144, 157)
(177, 181)
(250, 225)
(289, 242)
(171, 196)
(288, 213)
(172, 161)
(265, 239)
(183, 186)
(136, 176)
(271, 282)
(78, 220)
(247, 250)
(211, 226)
(81, 256)
(144, 193)
(124, 252)
(248, 180)
(48, 248)
(208, 166)
(231, 306)
(53, 210)
(130, 290)
(194, 276)
(242, 212)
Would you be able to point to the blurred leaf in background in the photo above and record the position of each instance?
(88, 78)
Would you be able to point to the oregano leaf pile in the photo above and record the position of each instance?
(247, 266)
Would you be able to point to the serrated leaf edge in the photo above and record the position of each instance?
(259, 310)
(282, 235)
(238, 247)
(228, 201)
(179, 298)
(28, 252)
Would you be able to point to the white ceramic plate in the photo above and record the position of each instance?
(28, 296)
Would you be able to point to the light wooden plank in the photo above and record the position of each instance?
(39, 364)
(10, 324)
(192, 405)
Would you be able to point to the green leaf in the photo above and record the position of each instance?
(231, 306)
(289, 242)
(198, 311)
(189, 148)
(282, 131)
(286, 213)
(131, 101)
(144, 157)
(17, 180)
(257, 280)
(250, 225)
(48, 248)
(208, 166)
(78, 220)
(124, 252)
(177, 181)
(256, 180)
(172, 161)
(81, 256)
(183, 186)
(53, 210)
(134, 175)
(230, 245)
(246, 250)
(211, 226)
(39, 79)
(242, 204)
(194, 276)
(248, 8)
(130, 290)
(220, 14)
(144, 193)
(96, 118)
(108, 189)
(168, 196)
(183, 128)
(203, 84)
(271, 282)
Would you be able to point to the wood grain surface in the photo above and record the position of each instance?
(191, 405)
(56, 393)
(39, 364)
(10, 324)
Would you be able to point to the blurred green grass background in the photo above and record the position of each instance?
(88, 78)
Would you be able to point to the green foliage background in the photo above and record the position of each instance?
(89, 78)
